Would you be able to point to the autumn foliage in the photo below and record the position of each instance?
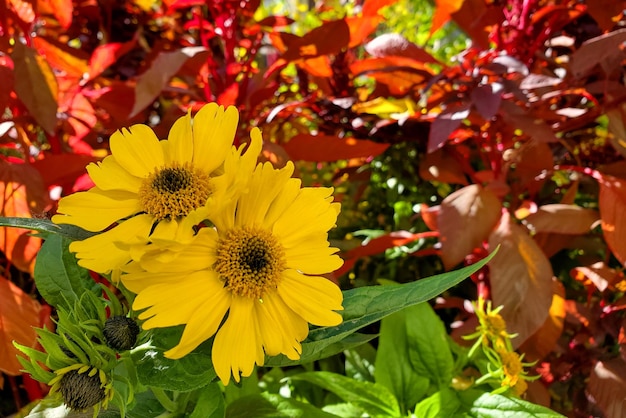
(518, 142)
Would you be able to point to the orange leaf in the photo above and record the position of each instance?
(18, 315)
(466, 217)
(372, 7)
(563, 219)
(607, 385)
(63, 11)
(106, 55)
(543, 341)
(327, 39)
(441, 166)
(521, 279)
(23, 193)
(71, 61)
(612, 204)
(361, 27)
(443, 10)
(325, 148)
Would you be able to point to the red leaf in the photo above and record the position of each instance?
(72, 61)
(117, 99)
(466, 217)
(63, 11)
(607, 385)
(441, 166)
(603, 12)
(612, 204)
(443, 10)
(59, 169)
(445, 124)
(361, 27)
(35, 86)
(562, 219)
(151, 83)
(486, 99)
(532, 126)
(106, 55)
(604, 50)
(324, 148)
(8, 80)
(276, 21)
(23, 10)
(328, 39)
(400, 74)
(598, 275)
(18, 315)
(521, 279)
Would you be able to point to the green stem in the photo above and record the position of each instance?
(164, 400)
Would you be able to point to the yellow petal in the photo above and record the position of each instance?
(180, 141)
(213, 133)
(177, 301)
(237, 345)
(109, 175)
(137, 150)
(313, 298)
(101, 253)
(199, 254)
(95, 210)
(313, 260)
(275, 317)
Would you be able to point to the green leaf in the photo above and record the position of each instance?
(373, 398)
(59, 279)
(210, 403)
(444, 403)
(479, 404)
(273, 406)
(393, 368)
(146, 406)
(366, 305)
(45, 225)
(428, 348)
(193, 371)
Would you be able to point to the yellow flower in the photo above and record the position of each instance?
(511, 367)
(149, 187)
(258, 268)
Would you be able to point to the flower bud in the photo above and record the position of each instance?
(81, 390)
(120, 332)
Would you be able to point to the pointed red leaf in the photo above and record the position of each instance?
(58, 169)
(563, 219)
(19, 313)
(372, 7)
(445, 124)
(443, 10)
(63, 11)
(106, 55)
(607, 385)
(328, 39)
(466, 217)
(393, 44)
(324, 148)
(521, 279)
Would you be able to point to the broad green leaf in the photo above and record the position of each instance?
(428, 348)
(146, 406)
(366, 305)
(210, 403)
(273, 406)
(360, 362)
(373, 398)
(193, 371)
(59, 279)
(479, 404)
(444, 403)
(45, 225)
(393, 368)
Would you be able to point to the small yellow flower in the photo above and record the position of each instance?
(149, 187)
(258, 268)
(511, 366)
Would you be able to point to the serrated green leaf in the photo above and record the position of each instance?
(273, 406)
(479, 404)
(366, 305)
(210, 403)
(59, 279)
(444, 403)
(193, 371)
(45, 225)
(373, 398)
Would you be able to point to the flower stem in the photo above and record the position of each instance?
(164, 400)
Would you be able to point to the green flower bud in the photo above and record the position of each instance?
(120, 332)
(81, 390)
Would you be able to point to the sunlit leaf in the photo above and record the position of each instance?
(476, 403)
(521, 279)
(72, 61)
(443, 167)
(324, 148)
(35, 85)
(390, 44)
(612, 203)
(607, 384)
(273, 406)
(327, 39)
(445, 124)
(443, 10)
(466, 217)
(63, 11)
(563, 219)
(106, 55)
(19, 313)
